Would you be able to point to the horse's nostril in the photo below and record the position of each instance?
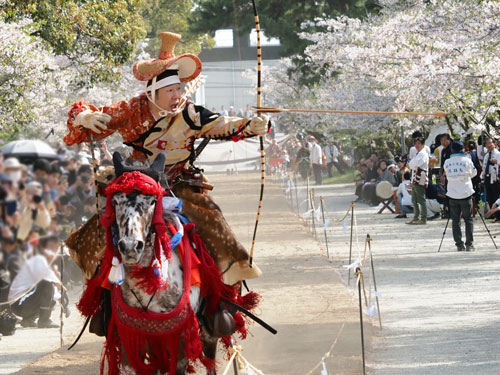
(121, 246)
(139, 246)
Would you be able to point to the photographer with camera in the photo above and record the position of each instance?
(459, 171)
(80, 192)
(33, 211)
(9, 223)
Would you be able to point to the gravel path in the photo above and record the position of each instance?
(303, 298)
(439, 310)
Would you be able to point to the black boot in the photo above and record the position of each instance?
(28, 322)
(44, 319)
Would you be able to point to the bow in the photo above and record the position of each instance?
(261, 138)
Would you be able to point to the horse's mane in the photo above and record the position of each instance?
(154, 171)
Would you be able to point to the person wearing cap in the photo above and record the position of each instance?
(13, 168)
(163, 120)
(459, 171)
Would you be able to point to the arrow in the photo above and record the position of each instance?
(278, 110)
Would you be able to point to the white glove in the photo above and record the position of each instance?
(258, 125)
(95, 121)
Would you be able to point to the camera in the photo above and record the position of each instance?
(37, 199)
(3, 194)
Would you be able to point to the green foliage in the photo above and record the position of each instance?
(366, 142)
(95, 36)
(278, 18)
(173, 16)
(348, 177)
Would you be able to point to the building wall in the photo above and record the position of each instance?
(226, 85)
(224, 68)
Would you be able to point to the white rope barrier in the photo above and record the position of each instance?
(370, 306)
(244, 367)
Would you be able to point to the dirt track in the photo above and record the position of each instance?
(304, 298)
(439, 310)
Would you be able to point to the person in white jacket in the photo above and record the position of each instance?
(459, 171)
(419, 169)
(489, 175)
(33, 290)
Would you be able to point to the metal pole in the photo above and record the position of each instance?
(324, 229)
(487, 229)
(313, 213)
(403, 141)
(444, 232)
(350, 244)
(307, 192)
(374, 281)
(361, 323)
(62, 298)
(486, 205)
(296, 193)
(235, 361)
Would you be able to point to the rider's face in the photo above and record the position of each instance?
(169, 97)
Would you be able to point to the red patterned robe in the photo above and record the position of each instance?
(175, 136)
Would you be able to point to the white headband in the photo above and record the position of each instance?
(167, 81)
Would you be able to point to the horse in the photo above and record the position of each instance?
(154, 314)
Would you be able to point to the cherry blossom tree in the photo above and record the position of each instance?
(29, 83)
(37, 87)
(427, 56)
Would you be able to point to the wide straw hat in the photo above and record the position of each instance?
(188, 65)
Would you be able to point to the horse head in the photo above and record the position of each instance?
(134, 211)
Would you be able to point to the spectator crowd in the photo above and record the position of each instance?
(41, 202)
(307, 157)
(449, 179)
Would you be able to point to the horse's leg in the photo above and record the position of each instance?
(209, 348)
(126, 369)
(181, 366)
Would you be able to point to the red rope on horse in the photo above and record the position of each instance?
(126, 183)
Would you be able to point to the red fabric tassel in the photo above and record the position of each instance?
(147, 279)
(212, 284)
(154, 336)
(90, 301)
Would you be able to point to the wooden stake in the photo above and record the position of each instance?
(368, 238)
(350, 244)
(361, 323)
(324, 229)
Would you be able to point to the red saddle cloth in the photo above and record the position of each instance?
(150, 340)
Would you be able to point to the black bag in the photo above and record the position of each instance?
(7, 323)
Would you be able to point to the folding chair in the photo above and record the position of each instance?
(384, 191)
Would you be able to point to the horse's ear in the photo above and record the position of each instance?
(118, 163)
(159, 163)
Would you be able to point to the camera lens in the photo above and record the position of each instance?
(37, 198)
